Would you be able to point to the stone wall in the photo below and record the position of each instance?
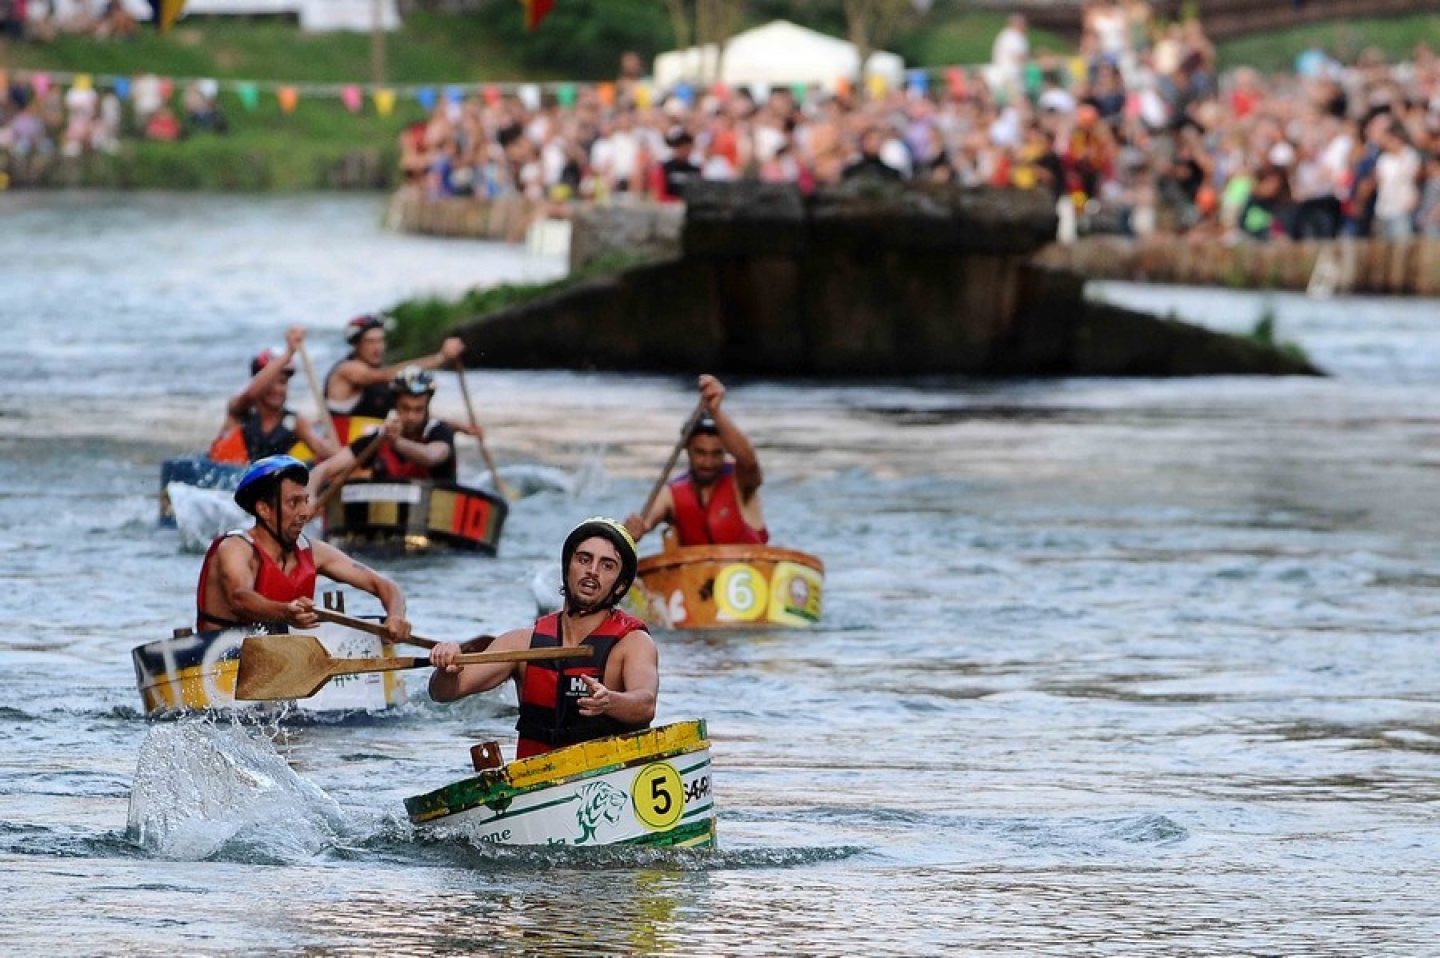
(855, 280)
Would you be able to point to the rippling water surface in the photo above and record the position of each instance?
(1106, 666)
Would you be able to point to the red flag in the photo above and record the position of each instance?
(535, 11)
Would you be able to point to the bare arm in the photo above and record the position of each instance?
(450, 681)
(639, 682)
(660, 511)
(334, 564)
(359, 374)
(328, 469)
(428, 454)
(748, 476)
(241, 402)
(320, 445)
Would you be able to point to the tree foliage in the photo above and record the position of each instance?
(582, 40)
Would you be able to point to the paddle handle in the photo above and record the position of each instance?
(396, 663)
(361, 461)
(477, 644)
(365, 625)
(674, 455)
(322, 407)
(500, 485)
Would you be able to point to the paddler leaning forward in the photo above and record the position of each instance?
(265, 575)
(565, 702)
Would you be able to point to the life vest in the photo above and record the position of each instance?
(372, 402)
(549, 717)
(249, 441)
(389, 464)
(719, 523)
(271, 581)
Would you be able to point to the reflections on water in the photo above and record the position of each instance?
(1104, 665)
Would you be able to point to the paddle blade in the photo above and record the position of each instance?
(281, 667)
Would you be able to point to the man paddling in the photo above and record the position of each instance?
(359, 385)
(266, 574)
(563, 704)
(413, 446)
(257, 421)
(717, 502)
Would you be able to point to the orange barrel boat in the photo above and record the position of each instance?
(728, 586)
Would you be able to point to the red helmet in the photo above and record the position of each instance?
(361, 325)
(265, 358)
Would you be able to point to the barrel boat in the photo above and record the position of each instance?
(414, 515)
(198, 471)
(645, 788)
(197, 670)
(728, 586)
(203, 472)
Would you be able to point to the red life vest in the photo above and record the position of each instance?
(389, 464)
(549, 717)
(719, 523)
(271, 581)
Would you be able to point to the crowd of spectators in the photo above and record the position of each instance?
(39, 118)
(43, 20)
(1136, 133)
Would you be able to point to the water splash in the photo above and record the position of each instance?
(203, 514)
(204, 791)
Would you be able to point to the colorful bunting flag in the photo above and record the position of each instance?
(352, 98)
(535, 11)
(249, 95)
(288, 97)
(384, 102)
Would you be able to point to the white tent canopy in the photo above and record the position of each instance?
(779, 54)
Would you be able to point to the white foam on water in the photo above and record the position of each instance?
(545, 587)
(200, 787)
(203, 514)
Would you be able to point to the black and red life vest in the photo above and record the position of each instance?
(549, 717)
(372, 402)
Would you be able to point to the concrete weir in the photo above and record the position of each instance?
(856, 280)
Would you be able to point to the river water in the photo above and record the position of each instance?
(1106, 666)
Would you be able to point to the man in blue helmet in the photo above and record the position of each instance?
(563, 702)
(265, 575)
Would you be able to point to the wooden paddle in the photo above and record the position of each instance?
(478, 644)
(361, 461)
(501, 486)
(674, 455)
(320, 404)
(296, 666)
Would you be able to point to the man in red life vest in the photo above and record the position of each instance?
(265, 575)
(718, 501)
(414, 446)
(257, 422)
(359, 385)
(563, 702)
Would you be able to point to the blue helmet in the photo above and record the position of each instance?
(265, 475)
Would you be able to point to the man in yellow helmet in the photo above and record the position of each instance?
(563, 702)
